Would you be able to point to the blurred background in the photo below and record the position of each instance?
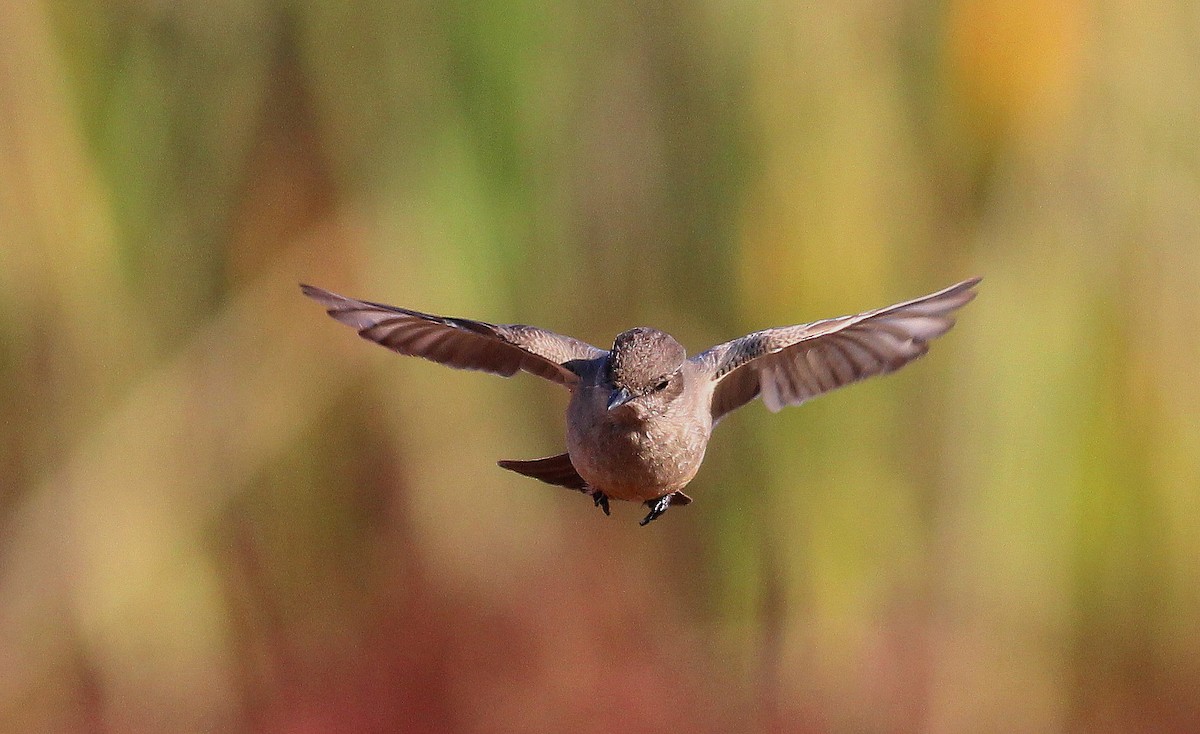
(221, 511)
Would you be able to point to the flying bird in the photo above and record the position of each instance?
(641, 413)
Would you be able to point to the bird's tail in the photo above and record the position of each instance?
(557, 470)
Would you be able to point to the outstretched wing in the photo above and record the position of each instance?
(791, 364)
(501, 349)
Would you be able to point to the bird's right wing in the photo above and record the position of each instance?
(501, 349)
(791, 364)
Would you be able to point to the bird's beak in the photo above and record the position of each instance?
(619, 397)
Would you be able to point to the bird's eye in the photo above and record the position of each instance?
(661, 386)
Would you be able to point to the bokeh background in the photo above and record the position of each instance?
(221, 511)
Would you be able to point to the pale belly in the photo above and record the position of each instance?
(637, 461)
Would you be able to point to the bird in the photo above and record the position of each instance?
(641, 413)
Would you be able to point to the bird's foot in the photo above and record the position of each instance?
(657, 507)
(599, 499)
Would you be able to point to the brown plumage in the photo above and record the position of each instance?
(641, 414)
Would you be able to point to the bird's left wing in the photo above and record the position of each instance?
(501, 349)
(791, 364)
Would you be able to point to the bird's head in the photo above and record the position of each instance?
(644, 370)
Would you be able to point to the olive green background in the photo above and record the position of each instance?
(221, 511)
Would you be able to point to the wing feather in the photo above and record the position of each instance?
(791, 364)
(501, 349)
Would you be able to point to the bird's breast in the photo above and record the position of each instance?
(635, 460)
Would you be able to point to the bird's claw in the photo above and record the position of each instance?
(599, 499)
(657, 508)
